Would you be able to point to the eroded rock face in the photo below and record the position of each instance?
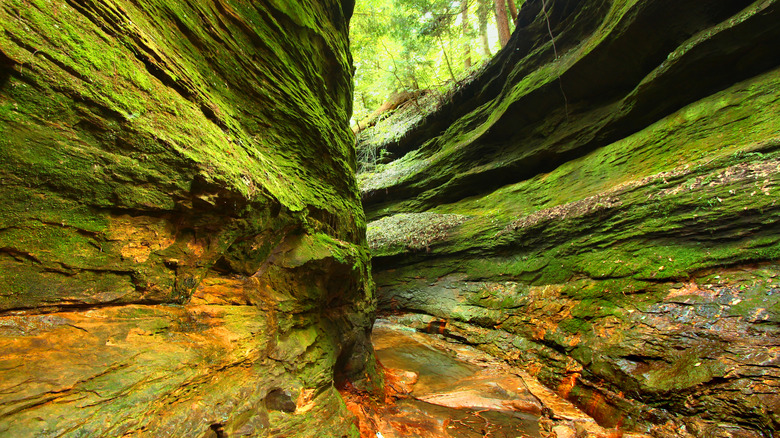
(182, 247)
(604, 212)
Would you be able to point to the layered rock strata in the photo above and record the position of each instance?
(600, 206)
(182, 247)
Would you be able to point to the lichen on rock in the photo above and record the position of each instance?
(410, 231)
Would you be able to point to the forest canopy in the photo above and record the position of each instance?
(411, 45)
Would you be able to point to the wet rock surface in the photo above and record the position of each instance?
(604, 213)
(440, 388)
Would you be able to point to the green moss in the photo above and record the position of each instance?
(612, 222)
(499, 298)
(174, 91)
(688, 370)
(147, 145)
(707, 199)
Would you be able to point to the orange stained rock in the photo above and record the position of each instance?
(399, 382)
(198, 247)
(305, 400)
(617, 432)
(436, 326)
(567, 383)
(141, 235)
(691, 288)
(608, 327)
(595, 404)
(539, 332)
(474, 398)
(563, 431)
(223, 291)
(362, 407)
(462, 406)
(65, 351)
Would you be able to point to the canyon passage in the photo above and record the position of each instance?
(580, 239)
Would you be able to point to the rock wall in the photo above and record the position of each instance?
(600, 206)
(182, 244)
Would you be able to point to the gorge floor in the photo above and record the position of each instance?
(436, 387)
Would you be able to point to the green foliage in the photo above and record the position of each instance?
(409, 45)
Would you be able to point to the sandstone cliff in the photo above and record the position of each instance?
(600, 206)
(182, 247)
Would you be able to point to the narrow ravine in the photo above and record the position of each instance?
(208, 203)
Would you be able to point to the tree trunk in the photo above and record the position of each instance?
(502, 22)
(464, 18)
(483, 10)
(447, 60)
(512, 10)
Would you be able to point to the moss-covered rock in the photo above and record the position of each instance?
(622, 205)
(182, 235)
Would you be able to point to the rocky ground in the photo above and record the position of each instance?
(440, 388)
